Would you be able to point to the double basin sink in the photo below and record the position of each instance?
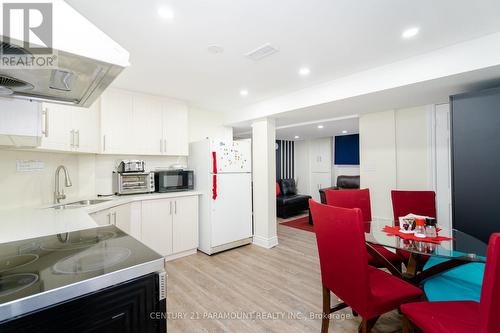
(79, 204)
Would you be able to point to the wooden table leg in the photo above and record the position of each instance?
(411, 266)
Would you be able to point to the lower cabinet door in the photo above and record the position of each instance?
(102, 217)
(157, 225)
(185, 224)
(121, 217)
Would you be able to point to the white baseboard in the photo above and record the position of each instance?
(265, 242)
(180, 255)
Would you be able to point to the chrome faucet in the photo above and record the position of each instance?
(59, 194)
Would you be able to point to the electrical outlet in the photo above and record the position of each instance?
(29, 165)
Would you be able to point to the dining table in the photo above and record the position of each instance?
(457, 249)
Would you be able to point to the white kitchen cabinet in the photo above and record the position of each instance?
(86, 128)
(175, 129)
(21, 123)
(157, 225)
(321, 155)
(101, 217)
(117, 122)
(148, 128)
(170, 226)
(319, 180)
(140, 124)
(58, 127)
(119, 216)
(70, 128)
(185, 224)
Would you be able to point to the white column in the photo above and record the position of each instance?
(264, 183)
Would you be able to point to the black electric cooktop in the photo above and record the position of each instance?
(39, 272)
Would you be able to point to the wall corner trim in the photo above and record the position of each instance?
(267, 243)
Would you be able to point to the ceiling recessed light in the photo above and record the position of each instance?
(166, 13)
(344, 132)
(410, 32)
(320, 126)
(244, 92)
(296, 137)
(304, 71)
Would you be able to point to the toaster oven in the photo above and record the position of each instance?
(133, 183)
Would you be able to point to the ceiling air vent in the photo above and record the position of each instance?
(261, 52)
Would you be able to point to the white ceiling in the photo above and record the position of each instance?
(332, 37)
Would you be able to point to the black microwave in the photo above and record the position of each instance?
(174, 180)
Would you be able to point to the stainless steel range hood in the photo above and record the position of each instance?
(86, 61)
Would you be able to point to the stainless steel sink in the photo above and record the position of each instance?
(81, 203)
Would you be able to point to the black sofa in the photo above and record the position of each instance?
(343, 183)
(289, 203)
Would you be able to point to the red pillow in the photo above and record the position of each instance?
(278, 191)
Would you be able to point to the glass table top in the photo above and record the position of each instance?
(462, 246)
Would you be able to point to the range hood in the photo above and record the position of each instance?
(87, 60)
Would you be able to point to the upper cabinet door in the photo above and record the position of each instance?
(58, 127)
(321, 155)
(117, 122)
(148, 130)
(175, 128)
(85, 125)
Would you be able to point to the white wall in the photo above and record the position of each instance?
(377, 140)
(36, 188)
(203, 124)
(413, 149)
(301, 166)
(396, 150)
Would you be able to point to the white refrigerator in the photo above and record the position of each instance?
(223, 173)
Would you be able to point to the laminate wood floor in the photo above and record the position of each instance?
(252, 289)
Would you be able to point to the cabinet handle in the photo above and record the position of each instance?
(170, 203)
(72, 138)
(114, 218)
(165, 146)
(45, 115)
(104, 142)
(77, 133)
(109, 218)
(161, 146)
(175, 207)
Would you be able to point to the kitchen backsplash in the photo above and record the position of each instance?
(90, 175)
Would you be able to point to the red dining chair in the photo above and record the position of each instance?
(416, 202)
(361, 199)
(369, 291)
(463, 316)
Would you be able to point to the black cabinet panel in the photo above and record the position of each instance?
(125, 308)
(476, 162)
